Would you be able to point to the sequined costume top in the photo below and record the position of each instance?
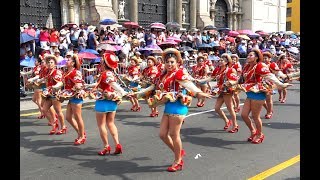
(253, 80)
(222, 76)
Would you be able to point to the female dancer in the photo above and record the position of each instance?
(273, 67)
(109, 94)
(133, 76)
(169, 93)
(36, 98)
(226, 80)
(200, 71)
(286, 67)
(254, 72)
(237, 66)
(73, 90)
(54, 83)
(148, 76)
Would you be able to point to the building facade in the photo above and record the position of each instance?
(293, 15)
(191, 14)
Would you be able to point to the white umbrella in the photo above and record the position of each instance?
(49, 23)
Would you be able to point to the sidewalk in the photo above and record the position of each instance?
(28, 106)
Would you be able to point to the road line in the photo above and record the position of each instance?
(276, 168)
(63, 109)
(202, 112)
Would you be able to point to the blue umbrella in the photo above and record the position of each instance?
(28, 62)
(24, 37)
(108, 21)
(96, 60)
(90, 51)
(214, 44)
(293, 36)
(210, 27)
(225, 29)
(204, 46)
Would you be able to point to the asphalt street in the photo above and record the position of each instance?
(212, 153)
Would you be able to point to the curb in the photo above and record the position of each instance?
(64, 106)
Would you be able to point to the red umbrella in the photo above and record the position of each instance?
(262, 33)
(171, 38)
(106, 47)
(233, 33)
(108, 42)
(130, 25)
(169, 42)
(245, 31)
(87, 55)
(157, 25)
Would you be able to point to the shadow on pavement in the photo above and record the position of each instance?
(120, 168)
(207, 141)
(279, 125)
(285, 104)
(87, 157)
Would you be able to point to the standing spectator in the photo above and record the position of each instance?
(54, 36)
(44, 38)
(81, 42)
(74, 35)
(92, 41)
(242, 49)
(85, 34)
(31, 32)
(197, 39)
(148, 37)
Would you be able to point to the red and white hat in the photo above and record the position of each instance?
(111, 60)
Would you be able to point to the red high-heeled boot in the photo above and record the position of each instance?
(228, 125)
(118, 149)
(258, 140)
(234, 130)
(106, 150)
(80, 141)
(176, 167)
(62, 131)
(252, 136)
(55, 127)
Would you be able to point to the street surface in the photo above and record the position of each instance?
(212, 153)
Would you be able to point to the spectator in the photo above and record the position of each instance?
(81, 41)
(242, 49)
(92, 41)
(74, 35)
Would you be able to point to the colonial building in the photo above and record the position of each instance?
(191, 14)
(293, 15)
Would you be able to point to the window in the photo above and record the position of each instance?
(289, 12)
(289, 1)
(288, 26)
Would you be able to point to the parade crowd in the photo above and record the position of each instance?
(162, 66)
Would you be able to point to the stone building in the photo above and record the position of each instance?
(192, 14)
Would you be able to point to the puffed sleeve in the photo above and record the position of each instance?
(110, 77)
(182, 74)
(78, 77)
(215, 71)
(262, 69)
(58, 76)
(232, 74)
(37, 71)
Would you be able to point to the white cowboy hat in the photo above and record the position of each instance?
(91, 28)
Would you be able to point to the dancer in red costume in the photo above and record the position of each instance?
(73, 90)
(148, 76)
(200, 71)
(169, 92)
(255, 73)
(108, 95)
(226, 80)
(53, 79)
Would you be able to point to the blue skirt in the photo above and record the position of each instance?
(105, 106)
(175, 108)
(256, 96)
(76, 100)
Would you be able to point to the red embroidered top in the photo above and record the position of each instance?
(71, 78)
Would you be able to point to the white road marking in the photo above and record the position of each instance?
(197, 113)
